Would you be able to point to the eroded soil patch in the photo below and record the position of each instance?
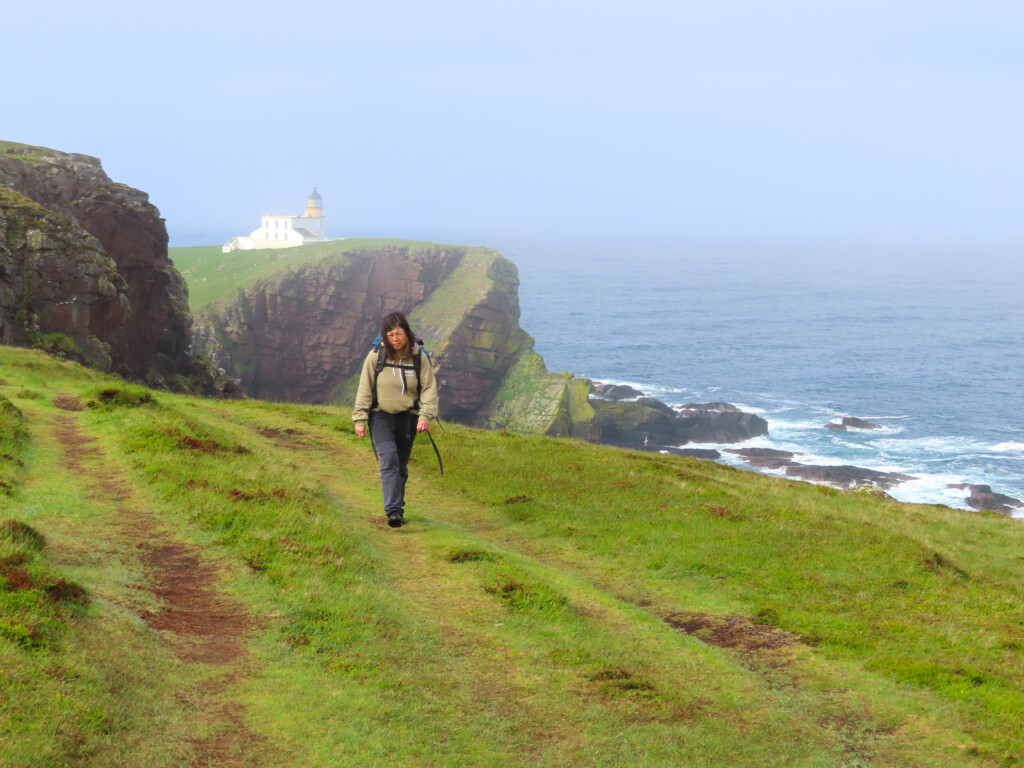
(725, 631)
(68, 402)
(209, 625)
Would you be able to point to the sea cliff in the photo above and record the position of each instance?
(301, 332)
(84, 270)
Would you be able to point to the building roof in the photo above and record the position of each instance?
(314, 195)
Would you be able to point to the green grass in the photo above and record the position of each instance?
(25, 153)
(213, 276)
(551, 602)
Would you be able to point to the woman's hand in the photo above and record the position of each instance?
(360, 430)
(422, 425)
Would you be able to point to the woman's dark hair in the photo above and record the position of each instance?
(396, 320)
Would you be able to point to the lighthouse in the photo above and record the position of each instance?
(281, 231)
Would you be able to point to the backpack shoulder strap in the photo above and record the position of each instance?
(377, 368)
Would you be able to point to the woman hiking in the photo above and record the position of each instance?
(397, 398)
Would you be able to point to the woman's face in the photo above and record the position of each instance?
(397, 339)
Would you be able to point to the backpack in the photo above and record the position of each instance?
(417, 360)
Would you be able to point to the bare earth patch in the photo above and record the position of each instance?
(725, 631)
(68, 403)
(209, 627)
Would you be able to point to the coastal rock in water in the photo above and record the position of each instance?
(852, 422)
(616, 391)
(656, 404)
(84, 270)
(764, 458)
(650, 424)
(717, 423)
(633, 425)
(983, 498)
(846, 476)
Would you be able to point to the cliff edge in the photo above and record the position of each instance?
(84, 270)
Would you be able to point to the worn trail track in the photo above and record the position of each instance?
(204, 625)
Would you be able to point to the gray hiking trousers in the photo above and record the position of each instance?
(393, 435)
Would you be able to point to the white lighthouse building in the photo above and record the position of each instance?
(281, 231)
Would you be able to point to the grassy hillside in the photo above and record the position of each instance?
(213, 276)
(208, 583)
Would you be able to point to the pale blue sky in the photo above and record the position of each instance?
(449, 120)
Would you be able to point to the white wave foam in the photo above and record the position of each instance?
(794, 425)
(932, 489)
(929, 486)
(1008, 447)
(751, 409)
(646, 388)
(930, 446)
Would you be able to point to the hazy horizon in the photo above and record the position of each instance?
(884, 122)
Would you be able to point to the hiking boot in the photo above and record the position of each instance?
(395, 520)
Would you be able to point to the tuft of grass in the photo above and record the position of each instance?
(58, 345)
(22, 535)
(13, 444)
(463, 555)
(127, 396)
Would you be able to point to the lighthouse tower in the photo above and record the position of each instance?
(315, 205)
(314, 215)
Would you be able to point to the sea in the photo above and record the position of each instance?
(923, 340)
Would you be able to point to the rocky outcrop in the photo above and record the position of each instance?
(852, 422)
(616, 391)
(84, 269)
(650, 424)
(764, 458)
(843, 476)
(718, 423)
(983, 498)
(846, 476)
(634, 425)
(303, 334)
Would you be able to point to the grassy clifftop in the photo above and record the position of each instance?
(214, 276)
(187, 581)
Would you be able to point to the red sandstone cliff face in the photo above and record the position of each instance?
(481, 345)
(302, 333)
(86, 257)
(303, 336)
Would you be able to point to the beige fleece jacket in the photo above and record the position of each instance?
(397, 388)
